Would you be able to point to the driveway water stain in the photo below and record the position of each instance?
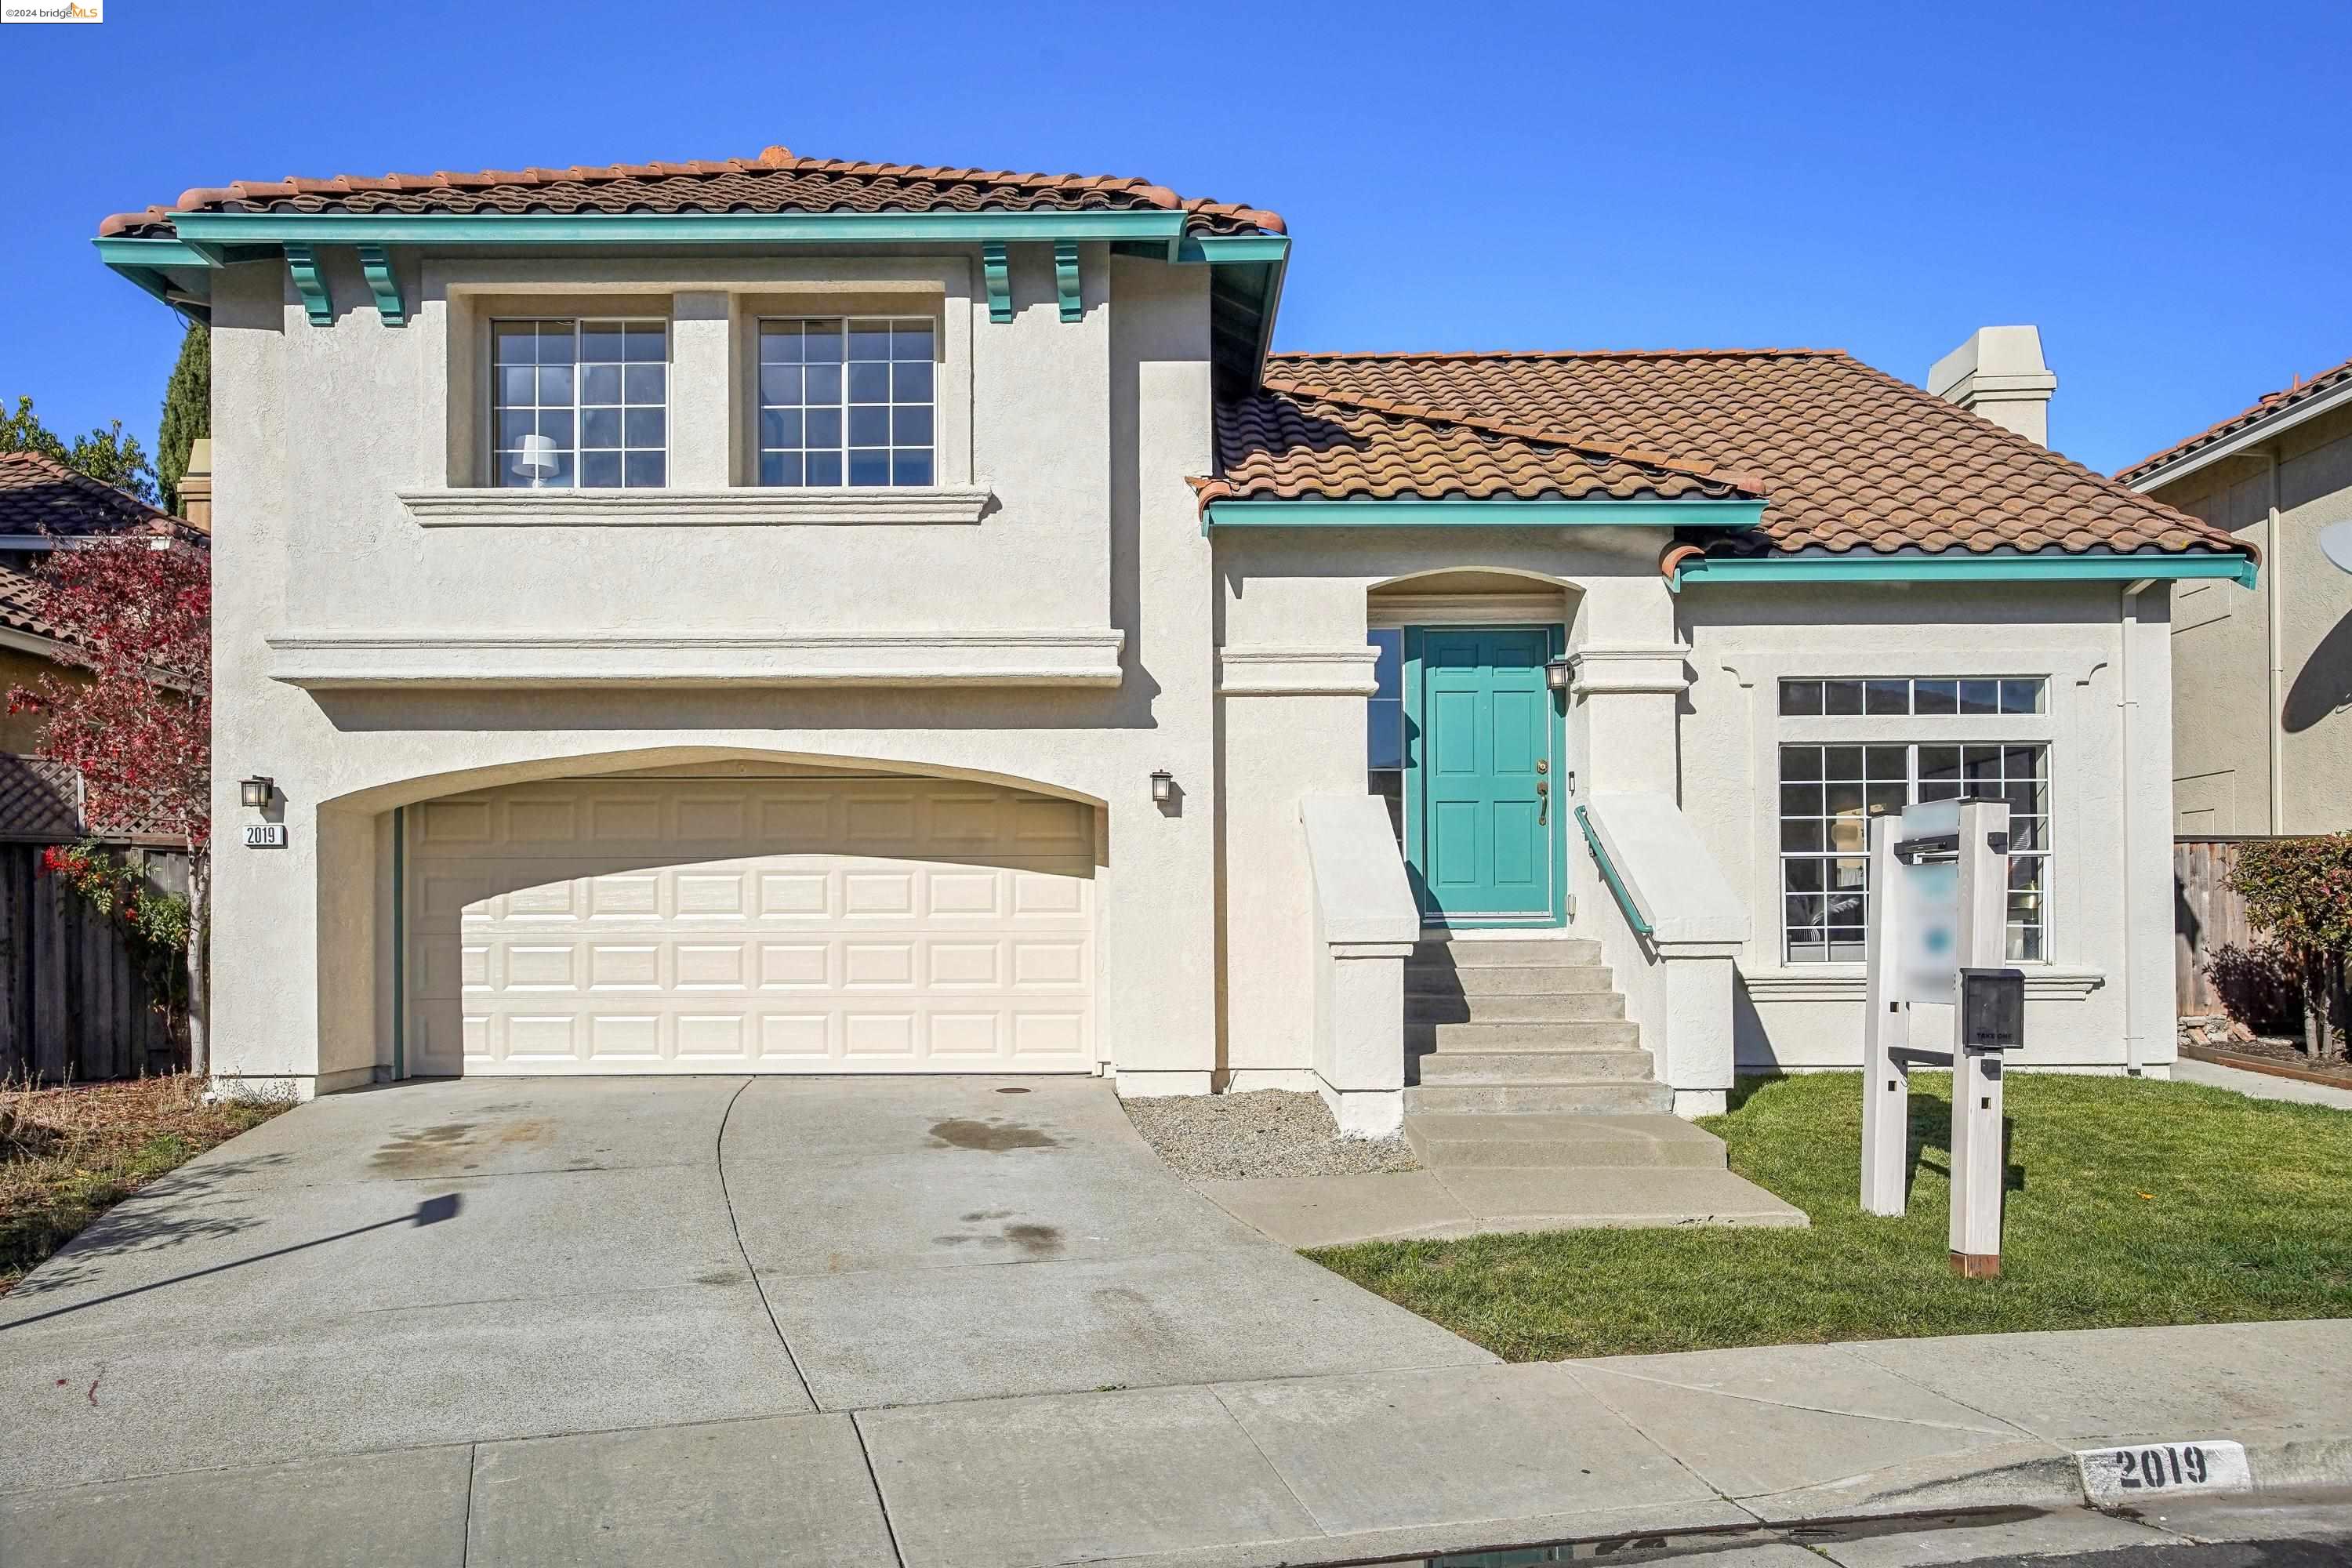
(993, 1136)
(1034, 1240)
(454, 1146)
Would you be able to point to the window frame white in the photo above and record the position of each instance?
(1911, 730)
(495, 453)
(846, 326)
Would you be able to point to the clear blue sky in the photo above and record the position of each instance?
(2162, 189)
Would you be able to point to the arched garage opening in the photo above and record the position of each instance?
(728, 914)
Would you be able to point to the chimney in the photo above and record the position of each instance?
(1998, 374)
(196, 484)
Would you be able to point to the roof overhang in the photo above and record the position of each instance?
(2266, 428)
(176, 273)
(1246, 283)
(2005, 566)
(1502, 511)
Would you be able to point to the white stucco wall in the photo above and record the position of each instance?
(1744, 639)
(1084, 431)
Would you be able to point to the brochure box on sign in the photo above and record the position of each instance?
(1992, 1010)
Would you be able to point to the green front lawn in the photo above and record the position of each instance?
(2129, 1202)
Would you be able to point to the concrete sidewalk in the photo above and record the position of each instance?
(1292, 1470)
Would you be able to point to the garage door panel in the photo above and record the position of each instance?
(605, 927)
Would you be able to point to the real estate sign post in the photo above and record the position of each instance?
(1938, 933)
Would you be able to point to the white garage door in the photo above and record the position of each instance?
(750, 925)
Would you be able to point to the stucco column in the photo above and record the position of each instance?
(702, 393)
(1630, 692)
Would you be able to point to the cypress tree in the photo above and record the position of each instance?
(187, 411)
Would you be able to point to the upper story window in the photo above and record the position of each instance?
(846, 401)
(581, 403)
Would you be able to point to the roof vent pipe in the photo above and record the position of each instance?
(1998, 374)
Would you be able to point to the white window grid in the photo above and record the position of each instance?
(1829, 791)
(848, 400)
(597, 387)
(1949, 696)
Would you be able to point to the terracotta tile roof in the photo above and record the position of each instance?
(774, 182)
(1847, 457)
(20, 604)
(1296, 438)
(40, 495)
(2269, 404)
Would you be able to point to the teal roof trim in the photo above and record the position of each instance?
(2045, 566)
(204, 231)
(1502, 511)
(149, 263)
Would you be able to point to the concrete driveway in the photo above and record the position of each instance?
(460, 1262)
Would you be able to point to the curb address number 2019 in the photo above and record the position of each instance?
(264, 836)
(2109, 1473)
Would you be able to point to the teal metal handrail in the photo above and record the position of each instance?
(1609, 875)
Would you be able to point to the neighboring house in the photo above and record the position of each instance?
(45, 505)
(2262, 700)
(784, 614)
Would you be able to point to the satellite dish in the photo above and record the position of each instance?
(2336, 543)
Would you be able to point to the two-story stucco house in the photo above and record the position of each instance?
(790, 615)
(2262, 700)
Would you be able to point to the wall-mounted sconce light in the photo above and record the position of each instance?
(255, 792)
(1556, 672)
(1163, 787)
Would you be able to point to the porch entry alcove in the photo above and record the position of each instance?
(1467, 743)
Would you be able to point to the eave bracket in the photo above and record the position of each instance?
(1066, 280)
(997, 271)
(311, 283)
(384, 285)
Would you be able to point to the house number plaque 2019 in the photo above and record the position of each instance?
(264, 836)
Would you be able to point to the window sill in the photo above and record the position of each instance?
(325, 661)
(1846, 982)
(748, 505)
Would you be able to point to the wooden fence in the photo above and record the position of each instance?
(74, 1001)
(2205, 915)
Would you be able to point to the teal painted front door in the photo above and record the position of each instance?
(1485, 845)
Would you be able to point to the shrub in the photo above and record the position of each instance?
(2298, 892)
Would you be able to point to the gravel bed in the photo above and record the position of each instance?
(1271, 1133)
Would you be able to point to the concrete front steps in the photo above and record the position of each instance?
(1528, 1027)
(1533, 1104)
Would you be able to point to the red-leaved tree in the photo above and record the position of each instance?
(134, 617)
